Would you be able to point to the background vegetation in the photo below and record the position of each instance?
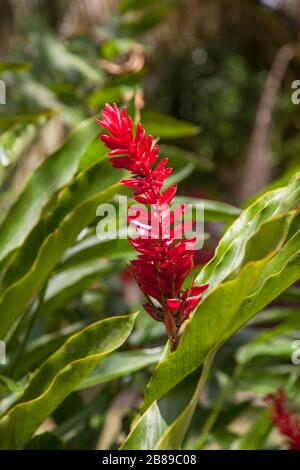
(212, 79)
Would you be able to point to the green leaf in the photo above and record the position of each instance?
(92, 247)
(270, 342)
(68, 283)
(230, 305)
(270, 237)
(121, 364)
(280, 348)
(146, 18)
(8, 385)
(164, 424)
(12, 66)
(17, 296)
(179, 175)
(127, 5)
(230, 253)
(213, 210)
(233, 303)
(279, 272)
(167, 127)
(180, 156)
(40, 348)
(14, 142)
(113, 94)
(218, 309)
(59, 376)
(255, 438)
(278, 183)
(61, 60)
(95, 150)
(271, 316)
(74, 422)
(265, 380)
(55, 172)
(86, 185)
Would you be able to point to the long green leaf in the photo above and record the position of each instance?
(164, 424)
(121, 364)
(67, 284)
(59, 376)
(223, 312)
(270, 342)
(55, 172)
(15, 140)
(155, 423)
(42, 347)
(166, 127)
(230, 254)
(233, 303)
(17, 296)
(213, 210)
(87, 184)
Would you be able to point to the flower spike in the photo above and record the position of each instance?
(163, 262)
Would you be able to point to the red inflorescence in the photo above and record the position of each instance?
(163, 262)
(285, 420)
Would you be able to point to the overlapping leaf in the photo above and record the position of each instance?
(59, 375)
(15, 140)
(164, 424)
(86, 185)
(166, 126)
(55, 172)
(231, 304)
(55, 240)
(121, 364)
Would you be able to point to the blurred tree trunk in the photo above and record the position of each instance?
(82, 15)
(53, 11)
(257, 171)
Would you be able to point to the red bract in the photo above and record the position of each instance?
(285, 420)
(163, 262)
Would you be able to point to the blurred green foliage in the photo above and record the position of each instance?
(194, 73)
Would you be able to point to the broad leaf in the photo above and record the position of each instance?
(121, 364)
(65, 285)
(86, 185)
(15, 140)
(59, 375)
(233, 303)
(17, 296)
(166, 127)
(213, 210)
(55, 172)
(180, 156)
(223, 312)
(164, 424)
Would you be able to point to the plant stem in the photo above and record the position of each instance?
(213, 416)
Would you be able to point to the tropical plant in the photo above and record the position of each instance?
(256, 260)
(86, 366)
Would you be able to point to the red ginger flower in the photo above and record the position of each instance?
(285, 420)
(163, 262)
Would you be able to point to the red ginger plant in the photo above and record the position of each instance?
(163, 262)
(287, 423)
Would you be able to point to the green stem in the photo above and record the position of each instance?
(212, 418)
